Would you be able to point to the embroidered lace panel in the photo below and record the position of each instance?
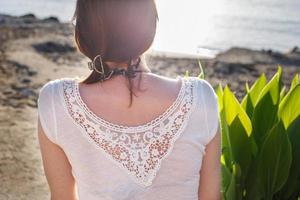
(139, 150)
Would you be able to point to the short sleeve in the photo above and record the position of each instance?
(211, 108)
(46, 111)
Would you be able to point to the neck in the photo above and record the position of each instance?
(142, 65)
(119, 64)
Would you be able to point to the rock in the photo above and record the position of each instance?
(28, 18)
(25, 80)
(231, 68)
(31, 72)
(53, 47)
(8, 91)
(51, 19)
(2, 19)
(29, 15)
(26, 92)
(295, 50)
(14, 103)
(270, 51)
(17, 86)
(242, 56)
(20, 69)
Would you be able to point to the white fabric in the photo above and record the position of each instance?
(158, 160)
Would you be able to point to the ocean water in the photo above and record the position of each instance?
(199, 27)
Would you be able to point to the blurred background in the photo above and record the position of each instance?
(235, 41)
(200, 27)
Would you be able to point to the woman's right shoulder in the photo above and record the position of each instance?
(51, 87)
(55, 82)
(47, 87)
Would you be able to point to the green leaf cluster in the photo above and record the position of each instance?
(261, 141)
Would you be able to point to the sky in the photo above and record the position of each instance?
(185, 25)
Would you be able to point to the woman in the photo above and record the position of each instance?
(97, 143)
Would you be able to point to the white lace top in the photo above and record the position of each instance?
(157, 160)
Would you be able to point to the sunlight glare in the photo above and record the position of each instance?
(180, 23)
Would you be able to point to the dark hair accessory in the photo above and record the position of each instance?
(92, 65)
(129, 72)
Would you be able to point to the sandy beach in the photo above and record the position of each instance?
(34, 51)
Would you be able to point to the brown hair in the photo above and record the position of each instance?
(118, 30)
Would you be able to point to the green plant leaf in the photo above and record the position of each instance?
(201, 74)
(247, 87)
(272, 87)
(282, 93)
(233, 108)
(238, 132)
(253, 187)
(289, 108)
(241, 147)
(233, 192)
(274, 161)
(292, 186)
(250, 99)
(295, 81)
(265, 110)
(226, 143)
(226, 179)
(220, 93)
(187, 74)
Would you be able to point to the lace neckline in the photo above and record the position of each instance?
(138, 152)
(130, 128)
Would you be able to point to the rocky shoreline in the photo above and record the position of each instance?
(33, 51)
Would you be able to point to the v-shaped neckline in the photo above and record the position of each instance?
(141, 152)
(129, 128)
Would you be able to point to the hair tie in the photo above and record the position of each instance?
(129, 72)
(92, 65)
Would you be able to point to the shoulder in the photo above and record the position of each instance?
(200, 81)
(206, 97)
(47, 85)
(203, 87)
(207, 101)
(51, 88)
(54, 84)
(47, 88)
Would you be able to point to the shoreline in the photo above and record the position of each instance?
(34, 51)
(209, 53)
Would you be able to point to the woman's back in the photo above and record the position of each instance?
(117, 148)
(111, 98)
(154, 151)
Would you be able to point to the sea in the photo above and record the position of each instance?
(200, 27)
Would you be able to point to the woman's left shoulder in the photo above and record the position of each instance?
(203, 86)
(208, 104)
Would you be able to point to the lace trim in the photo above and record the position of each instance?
(137, 149)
